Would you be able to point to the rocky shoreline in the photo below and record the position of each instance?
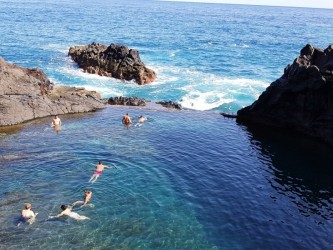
(301, 99)
(27, 94)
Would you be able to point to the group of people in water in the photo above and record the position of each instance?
(29, 216)
(127, 121)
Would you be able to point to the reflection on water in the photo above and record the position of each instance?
(297, 167)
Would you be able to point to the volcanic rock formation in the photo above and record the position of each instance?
(26, 94)
(301, 99)
(113, 61)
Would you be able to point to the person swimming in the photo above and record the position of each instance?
(67, 211)
(99, 170)
(87, 198)
(126, 119)
(142, 119)
(28, 215)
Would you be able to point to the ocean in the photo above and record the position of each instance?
(187, 179)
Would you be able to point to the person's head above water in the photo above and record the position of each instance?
(100, 162)
(27, 206)
(63, 207)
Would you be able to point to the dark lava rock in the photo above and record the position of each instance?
(170, 104)
(127, 101)
(116, 61)
(301, 99)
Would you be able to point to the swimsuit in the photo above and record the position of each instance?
(98, 172)
(74, 215)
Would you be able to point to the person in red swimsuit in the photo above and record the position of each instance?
(99, 170)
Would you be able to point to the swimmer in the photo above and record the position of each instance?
(126, 119)
(99, 170)
(67, 211)
(87, 198)
(142, 119)
(28, 215)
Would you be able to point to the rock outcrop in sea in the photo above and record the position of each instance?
(26, 94)
(301, 99)
(136, 101)
(170, 105)
(127, 101)
(116, 61)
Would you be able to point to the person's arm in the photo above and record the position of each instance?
(108, 167)
(86, 200)
(59, 215)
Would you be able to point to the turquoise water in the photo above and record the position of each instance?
(183, 180)
(215, 56)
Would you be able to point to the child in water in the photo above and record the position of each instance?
(28, 215)
(87, 198)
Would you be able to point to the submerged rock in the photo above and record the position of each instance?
(301, 99)
(116, 61)
(26, 94)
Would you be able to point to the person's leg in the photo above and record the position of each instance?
(96, 177)
(76, 203)
(92, 177)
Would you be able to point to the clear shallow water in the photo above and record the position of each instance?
(212, 55)
(184, 180)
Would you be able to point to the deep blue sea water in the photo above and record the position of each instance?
(184, 180)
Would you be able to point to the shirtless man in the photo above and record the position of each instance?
(56, 123)
(99, 170)
(67, 211)
(28, 214)
(87, 198)
(126, 119)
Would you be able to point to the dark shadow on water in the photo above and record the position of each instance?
(298, 167)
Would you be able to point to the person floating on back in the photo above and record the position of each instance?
(126, 120)
(99, 170)
(87, 198)
(28, 215)
(67, 211)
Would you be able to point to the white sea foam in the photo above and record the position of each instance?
(56, 47)
(242, 45)
(192, 88)
(203, 101)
